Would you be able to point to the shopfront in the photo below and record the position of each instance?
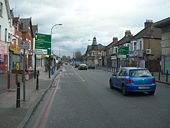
(15, 58)
(3, 57)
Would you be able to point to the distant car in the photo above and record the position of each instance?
(77, 65)
(82, 67)
(91, 66)
(133, 79)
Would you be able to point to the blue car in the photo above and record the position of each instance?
(133, 79)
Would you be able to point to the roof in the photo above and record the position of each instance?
(124, 40)
(149, 32)
(26, 24)
(162, 23)
(34, 29)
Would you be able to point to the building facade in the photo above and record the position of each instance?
(165, 44)
(6, 32)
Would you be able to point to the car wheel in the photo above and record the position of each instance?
(151, 93)
(111, 86)
(124, 91)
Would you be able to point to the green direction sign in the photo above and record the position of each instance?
(43, 41)
(123, 50)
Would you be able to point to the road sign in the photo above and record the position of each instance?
(25, 45)
(43, 41)
(123, 50)
(41, 51)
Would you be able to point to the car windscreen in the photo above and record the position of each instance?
(140, 73)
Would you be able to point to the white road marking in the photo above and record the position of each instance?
(78, 75)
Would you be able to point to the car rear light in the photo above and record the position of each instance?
(128, 81)
(153, 81)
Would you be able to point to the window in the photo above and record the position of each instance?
(1, 7)
(0, 32)
(141, 46)
(122, 73)
(5, 34)
(9, 36)
(135, 46)
(140, 73)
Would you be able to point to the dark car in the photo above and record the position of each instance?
(77, 65)
(82, 67)
(133, 79)
(91, 66)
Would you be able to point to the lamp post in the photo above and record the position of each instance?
(51, 49)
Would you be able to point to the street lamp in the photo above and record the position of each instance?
(51, 43)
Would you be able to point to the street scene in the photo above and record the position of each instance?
(83, 99)
(89, 64)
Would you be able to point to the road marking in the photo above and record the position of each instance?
(43, 116)
(78, 75)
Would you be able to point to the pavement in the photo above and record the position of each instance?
(165, 79)
(12, 117)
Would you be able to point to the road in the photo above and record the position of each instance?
(83, 99)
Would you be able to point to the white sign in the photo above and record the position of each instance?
(113, 58)
(25, 45)
(121, 56)
(41, 51)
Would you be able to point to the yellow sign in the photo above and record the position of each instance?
(14, 48)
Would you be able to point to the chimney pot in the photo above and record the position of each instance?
(148, 23)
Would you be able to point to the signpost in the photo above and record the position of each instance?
(42, 47)
(43, 42)
(24, 46)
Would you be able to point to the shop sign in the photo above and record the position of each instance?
(14, 48)
(135, 53)
(3, 47)
(1, 57)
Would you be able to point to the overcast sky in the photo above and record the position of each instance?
(84, 19)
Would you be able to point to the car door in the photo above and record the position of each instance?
(121, 77)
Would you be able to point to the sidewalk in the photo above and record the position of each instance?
(155, 74)
(12, 117)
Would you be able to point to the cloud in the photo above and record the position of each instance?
(82, 20)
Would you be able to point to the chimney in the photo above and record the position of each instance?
(128, 33)
(115, 39)
(148, 23)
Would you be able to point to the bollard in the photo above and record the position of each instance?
(37, 81)
(18, 96)
(167, 76)
(8, 80)
(16, 78)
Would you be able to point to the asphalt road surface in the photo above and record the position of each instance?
(83, 99)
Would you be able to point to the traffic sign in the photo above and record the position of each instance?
(43, 41)
(41, 51)
(25, 45)
(123, 50)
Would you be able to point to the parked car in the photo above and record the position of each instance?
(82, 67)
(91, 66)
(133, 79)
